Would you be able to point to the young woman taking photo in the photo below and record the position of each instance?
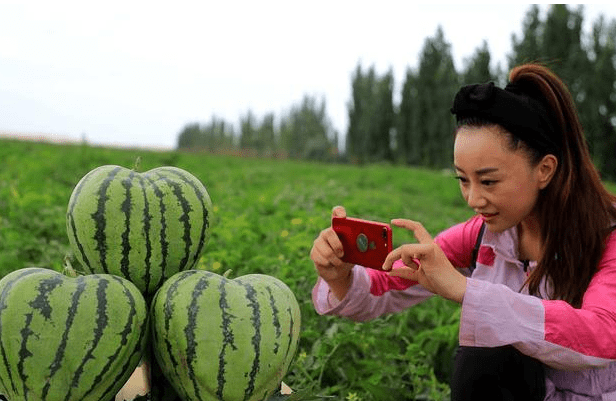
(538, 295)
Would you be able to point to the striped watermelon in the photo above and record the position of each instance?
(221, 339)
(67, 339)
(142, 226)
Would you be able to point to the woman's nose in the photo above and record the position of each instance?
(475, 198)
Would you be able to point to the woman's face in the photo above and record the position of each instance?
(498, 183)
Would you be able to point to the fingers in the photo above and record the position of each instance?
(338, 211)
(406, 272)
(422, 235)
(332, 241)
(327, 252)
(410, 254)
(327, 249)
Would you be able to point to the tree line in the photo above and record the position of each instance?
(303, 132)
(418, 129)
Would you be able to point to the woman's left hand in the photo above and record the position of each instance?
(434, 272)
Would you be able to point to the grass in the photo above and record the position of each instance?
(266, 215)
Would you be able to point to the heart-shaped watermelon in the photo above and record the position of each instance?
(64, 338)
(142, 226)
(221, 339)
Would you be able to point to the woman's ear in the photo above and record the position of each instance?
(546, 170)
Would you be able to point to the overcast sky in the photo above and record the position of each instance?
(134, 73)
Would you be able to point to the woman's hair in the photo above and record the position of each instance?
(575, 210)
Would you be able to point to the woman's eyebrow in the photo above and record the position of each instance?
(482, 171)
(486, 170)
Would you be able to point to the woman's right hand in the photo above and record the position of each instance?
(326, 255)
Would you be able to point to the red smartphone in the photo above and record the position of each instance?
(366, 243)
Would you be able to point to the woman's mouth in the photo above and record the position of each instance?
(487, 216)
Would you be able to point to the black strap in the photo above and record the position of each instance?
(475, 253)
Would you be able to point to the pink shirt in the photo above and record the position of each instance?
(578, 346)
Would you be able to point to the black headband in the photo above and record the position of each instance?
(521, 115)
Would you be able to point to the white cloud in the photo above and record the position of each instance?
(135, 72)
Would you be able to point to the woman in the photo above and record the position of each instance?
(538, 316)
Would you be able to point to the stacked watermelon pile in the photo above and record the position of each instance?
(139, 236)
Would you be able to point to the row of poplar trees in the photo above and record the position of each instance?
(418, 129)
(303, 132)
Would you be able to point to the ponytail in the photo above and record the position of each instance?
(575, 210)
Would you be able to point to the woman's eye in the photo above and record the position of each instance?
(488, 183)
(462, 180)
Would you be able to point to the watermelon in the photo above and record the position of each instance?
(64, 338)
(216, 338)
(144, 227)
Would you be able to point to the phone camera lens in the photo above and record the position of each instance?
(362, 242)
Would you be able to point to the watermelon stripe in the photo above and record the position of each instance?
(251, 295)
(276, 320)
(168, 315)
(137, 353)
(26, 332)
(227, 337)
(127, 183)
(41, 302)
(189, 332)
(99, 218)
(200, 196)
(143, 227)
(292, 322)
(164, 243)
(85, 319)
(124, 339)
(185, 218)
(71, 218)
(101, 324)
(57, 362)
(5, 293)
(245, 323)
(147, 221)
(292, 330)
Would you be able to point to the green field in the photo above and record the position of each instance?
(266, 216)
